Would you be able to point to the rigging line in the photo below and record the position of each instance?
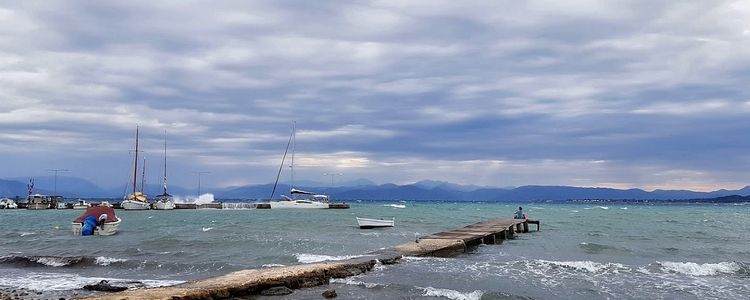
(281, 166)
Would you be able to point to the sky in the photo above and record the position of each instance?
(625, 94)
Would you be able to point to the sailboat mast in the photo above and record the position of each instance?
(165, 162)
(294, 142)
(135, 164)
(143, 175)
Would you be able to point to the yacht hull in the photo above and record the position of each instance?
(164, 205)
(298, 204)
(134, 205)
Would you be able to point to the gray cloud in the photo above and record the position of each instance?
(633, 94)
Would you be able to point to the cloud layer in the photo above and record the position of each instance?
(645, 94)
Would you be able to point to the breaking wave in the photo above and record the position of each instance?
(313, 258)
(707, 269)
(58, 261)
(452, 294)
(38, 281)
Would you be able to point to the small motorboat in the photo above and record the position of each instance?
(105, 204)
(82, 204)
(367, 223)
(96, 220)
(7, 203)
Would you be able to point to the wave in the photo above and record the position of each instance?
(37, 281)
(588, 266)
(58, 261)
(313, 258)
(272, 265)
(350, 281)
(594, 248)
(706, 269)
(452, 294)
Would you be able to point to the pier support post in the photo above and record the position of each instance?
(525, 227)
(489, 240)
(519, 228)
(510, 232)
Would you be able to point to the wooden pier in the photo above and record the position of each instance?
(254, 281)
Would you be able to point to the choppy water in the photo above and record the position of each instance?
(582, 252)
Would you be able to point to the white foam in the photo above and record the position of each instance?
(452, 294)
(106, 261)
(623, 208)
(604, 207)
(428, 258)
(207, 228)
(272, 265)
(395, 205)
(350, 281)
(588, 266)
(695, 269)
(27, 233)
(64, 282)
(202, 199)
(313, 258)
(51, 261)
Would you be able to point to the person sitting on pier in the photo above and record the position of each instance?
(519, 214)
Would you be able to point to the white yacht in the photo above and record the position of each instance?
(82, 204)
(165, 201)
(7, 203)
(315, 201)
(136, 200)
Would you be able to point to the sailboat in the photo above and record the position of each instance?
(136, 200)
(165, 200)
(313, 201)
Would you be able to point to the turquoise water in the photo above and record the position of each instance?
(582, 252)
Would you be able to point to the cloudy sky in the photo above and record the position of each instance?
(649, 94)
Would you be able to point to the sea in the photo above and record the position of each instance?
(583, 251)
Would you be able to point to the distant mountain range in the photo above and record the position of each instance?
(363, 189)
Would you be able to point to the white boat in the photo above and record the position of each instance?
(105, 204)
(7, 203)
(319, 201)
(165, 201)
(367, 223)
(314, 201)
(82, 204)
(38, 201)
(61, 205)
(136, 200)
(395, 205)
(107, 221)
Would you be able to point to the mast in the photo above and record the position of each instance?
(143, 175)
(294, 143)
(135, 165)
(165, 162)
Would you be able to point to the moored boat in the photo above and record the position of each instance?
(165, 201)
(96, 220)
(136, 200)
(7, 203)
(315, 201)
(367, 223)
(38, 201)
(82, 204)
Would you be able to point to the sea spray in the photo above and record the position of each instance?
(202, 199)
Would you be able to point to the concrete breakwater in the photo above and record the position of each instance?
(255, 281)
